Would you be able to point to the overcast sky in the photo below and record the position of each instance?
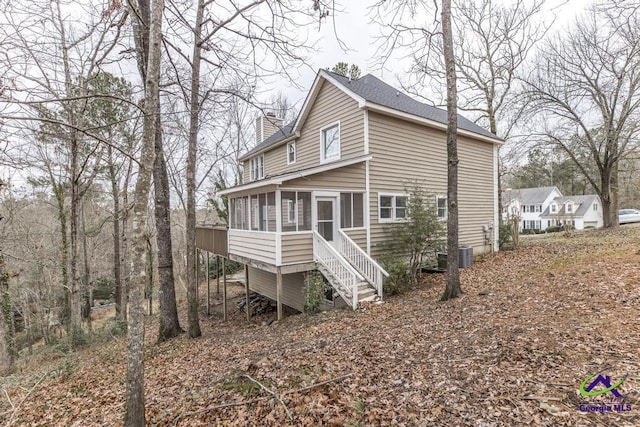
(354, 29)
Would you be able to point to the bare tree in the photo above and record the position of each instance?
(452, 288)
(584, 95)
(135, 328)
(237, 41)
(169, 325)
(50, 87)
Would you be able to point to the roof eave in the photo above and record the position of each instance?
(288, 138)
(294, 175)
(421, 120)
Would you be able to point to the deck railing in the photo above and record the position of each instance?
(363, 263)
(344, 277)
(212, 239)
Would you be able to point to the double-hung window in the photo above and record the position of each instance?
(392, 207)
(441, 207)
(257, 168)
(330, 143)
(291, 152)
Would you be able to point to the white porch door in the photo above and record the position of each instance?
(327, 218)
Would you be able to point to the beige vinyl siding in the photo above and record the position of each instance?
(259, 246)
(346, 178)
(331, 105)
(404, 151)
(359, 237)
(264, 283)
(297, 248)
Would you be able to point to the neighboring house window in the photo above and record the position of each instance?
(392, 207)
(441, 205)
(351, 210)
(291, 152)
(296, 210)
(553, 208)
(257, 168)
(595, 206)
(330, 143)
(569, 208)
(538, 208)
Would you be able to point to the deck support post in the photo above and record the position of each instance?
(208, 287)
(218, 274)
(224, 289)
(279, 292)
(197, 282)
(246, 291)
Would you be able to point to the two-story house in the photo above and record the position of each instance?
(542, 207)
(319, 192)
(528, 204)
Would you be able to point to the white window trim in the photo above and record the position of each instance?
(295, 152)
(259, 162)
(393, 208)
(292, 208)
(446, 215)
(324, 159)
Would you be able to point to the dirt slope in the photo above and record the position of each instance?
(513, 350)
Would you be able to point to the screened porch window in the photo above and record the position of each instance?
(296, 210)
(256, 212)
(351, 210)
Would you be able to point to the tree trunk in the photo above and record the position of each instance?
(169, 325)
(605, 198)
(6, 321)
(86, 276)
(135, 328)
(452, 289)
(76, 294)
(192, 285)
(117, 269)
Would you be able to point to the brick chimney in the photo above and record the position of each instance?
(266, 126)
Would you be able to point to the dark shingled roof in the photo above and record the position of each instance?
(584, 202)
(374, 90)
(528, 196)
(278, 136)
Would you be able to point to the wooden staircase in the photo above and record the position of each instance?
(354, 280)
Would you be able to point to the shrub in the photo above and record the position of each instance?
(399, 279)
(418, 238)
(552, 229)
(504, 235)
(528, 231)
(315, 289)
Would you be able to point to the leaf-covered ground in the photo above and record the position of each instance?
(513, 350)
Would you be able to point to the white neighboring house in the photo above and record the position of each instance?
(579, 211)
(529, 204)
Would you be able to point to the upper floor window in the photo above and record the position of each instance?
(595, 206)
(392, 207)
(291, 152)
(330, 143)
(441, 206)
(569, 208)
(257, 168)
(553, 208)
